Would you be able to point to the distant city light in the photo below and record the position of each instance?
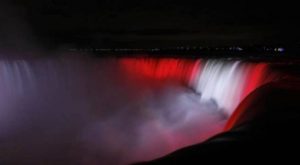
(280, 49)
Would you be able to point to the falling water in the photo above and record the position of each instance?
(229, 82)
(115, 111)
(222, 81)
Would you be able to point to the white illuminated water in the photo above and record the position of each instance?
(226, 82)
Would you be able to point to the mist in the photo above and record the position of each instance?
(92, 111)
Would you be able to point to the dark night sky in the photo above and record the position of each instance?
(113, 23)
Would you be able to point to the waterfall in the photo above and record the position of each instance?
(116, 111)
